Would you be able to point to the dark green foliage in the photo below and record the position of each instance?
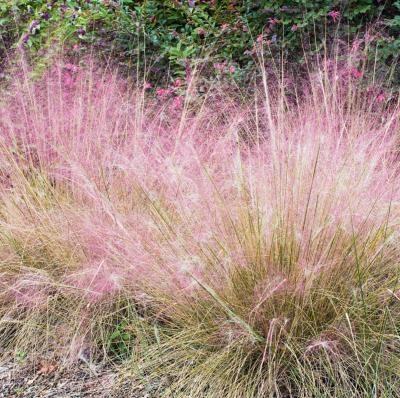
(120, 340)
(35, 24)
(178, 31)
(170, 35)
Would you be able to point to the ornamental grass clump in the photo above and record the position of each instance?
(218, 249)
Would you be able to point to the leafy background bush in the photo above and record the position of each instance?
(171, 35)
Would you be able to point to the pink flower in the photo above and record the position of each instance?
(267, 42)
(355, 73)
(272, 22)
(232, 69)
(178, 102)
(334, 14)
(225, 26)
(75, 47)
(201, 32)
(380, 98)
(177, 82)
(294, 28)
(163, 92)
(220, 67)
(260, 38)
(147, 86)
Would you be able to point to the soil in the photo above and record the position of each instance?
(45, 380)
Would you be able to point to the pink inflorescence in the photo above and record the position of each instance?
(149, 199)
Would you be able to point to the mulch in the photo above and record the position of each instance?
(45, 380)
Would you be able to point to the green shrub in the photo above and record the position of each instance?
(169, 35)
(178, 31)
(37, 23)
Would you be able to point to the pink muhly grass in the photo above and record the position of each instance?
(97, 151)
(109, 146)
(29, 290)
(256, 234)
(94, 281)
(327, 345)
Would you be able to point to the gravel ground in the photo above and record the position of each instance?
(45, 380)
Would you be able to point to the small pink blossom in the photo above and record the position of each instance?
(272, 22)
(294, 28)
(220, 66)
(260, 38)
(355, 73)
(178, 102)
(178, 83)
(334, 14)
(201, 32)
(232, 69)
(380, 98)
(163, 92)
(225, 26)
(147, 86)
